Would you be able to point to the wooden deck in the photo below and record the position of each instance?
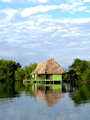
(42, 81)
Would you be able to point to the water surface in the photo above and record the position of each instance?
(41, 102)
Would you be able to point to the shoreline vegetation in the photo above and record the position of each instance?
(11, 71)
(79, 71)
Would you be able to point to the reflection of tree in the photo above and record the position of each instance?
(50, 97)
(29, 91)
(10, 90)
(81, 95)
(7, 90)
(19, 87)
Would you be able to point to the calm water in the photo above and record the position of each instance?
(36, 102)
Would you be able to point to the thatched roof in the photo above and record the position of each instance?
(37, 68)
(51, 67)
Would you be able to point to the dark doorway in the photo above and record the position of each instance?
(48, 76)
(43, 77)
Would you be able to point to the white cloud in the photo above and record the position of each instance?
(42, 1)
(72, 1)
(13, 14)
(48, 29)
(39, 1)
(33, 10)
(80, 20)
(29, 11)
(7, 1)
(75, 4)
(81, 8)
(87, 10)
(7, 53)
(86, 0)
(10, 13)
(78, 43)
(0, 40)
(29, 53)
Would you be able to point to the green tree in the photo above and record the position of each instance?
(79, 65)
(80, 70)
(72, 74)
(7, 69)
(29, 69)
(86, 75)
(20, 74)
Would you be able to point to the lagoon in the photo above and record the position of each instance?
(20, 101)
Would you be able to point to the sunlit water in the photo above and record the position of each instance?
(36, 102)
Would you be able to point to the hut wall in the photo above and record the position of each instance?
(57, 77)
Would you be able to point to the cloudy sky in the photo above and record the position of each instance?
(35, 30)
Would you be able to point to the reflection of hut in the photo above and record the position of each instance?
(51, 98)
(48, 70)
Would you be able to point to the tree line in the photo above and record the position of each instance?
(79, 71)
(10, 70)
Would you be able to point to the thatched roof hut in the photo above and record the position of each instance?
(51, 67)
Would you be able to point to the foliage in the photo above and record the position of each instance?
(79, 65)
(29, 69)
(10, 70)
(80, 70)
(21, 73)
(86, 75)
(70, 75)
(7, 69)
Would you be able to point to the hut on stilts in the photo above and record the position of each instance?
(49, 71)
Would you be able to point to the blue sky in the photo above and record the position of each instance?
(35, 30)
